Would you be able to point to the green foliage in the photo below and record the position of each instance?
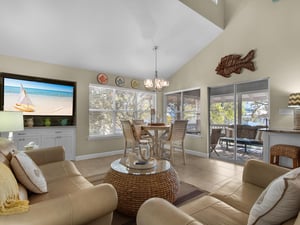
(222, 113)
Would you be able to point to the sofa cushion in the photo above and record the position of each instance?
(28, 173)
(259, 136)
(238, 194)
(246, 131)
(9, 193)
(279, 202)
(211, 211)
(58, 170)
(229, 132)
(61, 187)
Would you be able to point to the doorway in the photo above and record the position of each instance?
(239, 112)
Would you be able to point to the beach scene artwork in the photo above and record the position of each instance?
(38, 98)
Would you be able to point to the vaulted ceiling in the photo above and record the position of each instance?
(112, 36)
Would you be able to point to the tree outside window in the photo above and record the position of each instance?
(184, 105)
(109, 105)
(253, 109)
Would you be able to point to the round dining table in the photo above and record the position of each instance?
(156, 131)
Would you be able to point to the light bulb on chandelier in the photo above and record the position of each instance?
(155, 84)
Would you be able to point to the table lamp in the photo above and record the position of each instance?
(294, 101)
(11, 121)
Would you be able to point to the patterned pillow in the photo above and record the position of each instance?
(28, 173)
(10, 202)
(279, 202)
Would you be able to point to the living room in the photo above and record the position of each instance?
(272, 32)
(269, 27)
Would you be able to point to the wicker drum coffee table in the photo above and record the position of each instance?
(134, 186)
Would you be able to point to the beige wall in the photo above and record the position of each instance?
(273, 30)
(83, 78)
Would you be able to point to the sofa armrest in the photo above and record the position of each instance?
(261, 173)
(157, 211)
(297, 222)
(76, 208)
(47, 155)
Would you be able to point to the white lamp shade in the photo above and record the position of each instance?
(11, 121)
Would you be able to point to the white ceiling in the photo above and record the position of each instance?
(112, 36)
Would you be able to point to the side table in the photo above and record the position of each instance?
(134, 186)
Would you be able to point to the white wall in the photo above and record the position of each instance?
(273, 30)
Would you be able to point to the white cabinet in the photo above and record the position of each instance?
(48, 137)
(60, 137)
(21, 140)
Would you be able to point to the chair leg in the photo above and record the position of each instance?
(125, 150)
(151, 150)
(213, 149)
(183, 154)
(171, 153)
(161, 150)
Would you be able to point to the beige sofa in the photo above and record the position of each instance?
(229, 205)
(70, 198)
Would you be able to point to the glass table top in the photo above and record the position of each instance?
(154, 166)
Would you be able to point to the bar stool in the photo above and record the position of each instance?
(289, 151)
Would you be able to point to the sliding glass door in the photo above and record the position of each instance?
(238, 112)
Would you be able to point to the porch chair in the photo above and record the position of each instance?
(214, 140)
(175, 139)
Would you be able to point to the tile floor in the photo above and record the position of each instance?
(207, 174)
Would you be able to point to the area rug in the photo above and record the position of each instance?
(186, 193)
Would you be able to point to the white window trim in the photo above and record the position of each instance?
(180, 91)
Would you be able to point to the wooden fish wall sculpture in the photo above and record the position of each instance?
(234, 64)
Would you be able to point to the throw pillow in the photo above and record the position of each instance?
(279, 202)
(28, 173)
(258, 136)
(229, 132)
(9, 193)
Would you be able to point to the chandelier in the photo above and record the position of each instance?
(155, 84)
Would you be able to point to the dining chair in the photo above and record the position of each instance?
(214, 139)
(175, 139)
(131, 139)
(138, 122)
(143, 134)
(133, 135)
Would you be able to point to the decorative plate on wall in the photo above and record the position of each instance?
(134, 83)
(120, 81)
(102, 78)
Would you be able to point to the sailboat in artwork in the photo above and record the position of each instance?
(24, 103)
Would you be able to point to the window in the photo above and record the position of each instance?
(109, 105)
(250, 99)
(184, 105)
(232, 106)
